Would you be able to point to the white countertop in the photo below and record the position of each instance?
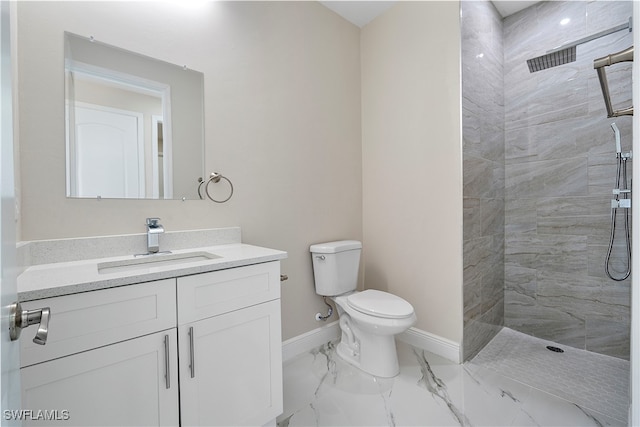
(64, 278)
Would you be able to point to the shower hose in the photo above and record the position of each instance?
(621, 173)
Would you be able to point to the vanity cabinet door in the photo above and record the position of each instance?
(122, 384)
(234, 374)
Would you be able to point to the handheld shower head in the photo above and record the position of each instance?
(617, 133)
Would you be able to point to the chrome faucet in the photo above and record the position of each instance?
(154, 230)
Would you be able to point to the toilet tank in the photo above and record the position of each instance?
(335, 266)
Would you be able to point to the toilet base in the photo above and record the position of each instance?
(375, 355)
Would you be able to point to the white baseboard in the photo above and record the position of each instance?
(310, 340)
(435, 344)
(300, 344)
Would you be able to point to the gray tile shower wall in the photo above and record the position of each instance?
(484, 168)
(560, 168)
(539, 167)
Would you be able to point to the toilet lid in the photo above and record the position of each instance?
(380, 304)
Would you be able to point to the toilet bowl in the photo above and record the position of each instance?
(368, 337)
(369, 320)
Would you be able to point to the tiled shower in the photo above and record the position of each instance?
(483, 169)
(539, 167)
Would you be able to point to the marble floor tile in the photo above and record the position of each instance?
(320, 389)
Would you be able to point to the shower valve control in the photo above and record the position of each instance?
(618, 191)
(623, 203)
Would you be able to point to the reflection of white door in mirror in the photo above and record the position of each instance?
(109, 160)
(100, 74)
(161, 174)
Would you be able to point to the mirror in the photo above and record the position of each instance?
(134, 124)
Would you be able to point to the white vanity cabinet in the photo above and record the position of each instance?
(110, 359)
(203, 349)
(230, 346)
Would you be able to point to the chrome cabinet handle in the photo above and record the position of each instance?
(20, 319)
(167, 367)
(192, 360)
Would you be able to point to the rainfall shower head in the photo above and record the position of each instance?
(567, 52)
(553, 59)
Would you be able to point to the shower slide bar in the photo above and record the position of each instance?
(621, 204)
(599, 65)
(622, 200)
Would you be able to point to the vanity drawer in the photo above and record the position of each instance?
(88, 320)
(209, 294)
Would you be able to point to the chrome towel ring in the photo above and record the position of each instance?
(215, 177)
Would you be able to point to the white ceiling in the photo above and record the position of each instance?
(359, 13)
(507, 8)
(362, 12)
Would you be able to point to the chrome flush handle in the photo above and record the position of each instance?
(20, 319)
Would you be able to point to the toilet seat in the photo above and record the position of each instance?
(380, 304)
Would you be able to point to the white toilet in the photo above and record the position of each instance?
(369, 320)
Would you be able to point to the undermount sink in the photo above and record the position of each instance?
(149, 261)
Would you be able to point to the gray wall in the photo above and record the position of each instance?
(286, 120)
(483, 152)
(560, 169)
(411, 161)
(282, 108)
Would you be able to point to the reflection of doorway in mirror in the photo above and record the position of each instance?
(112, 92)
(162, 176)
(102, 74)
(109, 147)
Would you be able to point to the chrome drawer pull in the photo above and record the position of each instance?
(192, 356)
(167, 366)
